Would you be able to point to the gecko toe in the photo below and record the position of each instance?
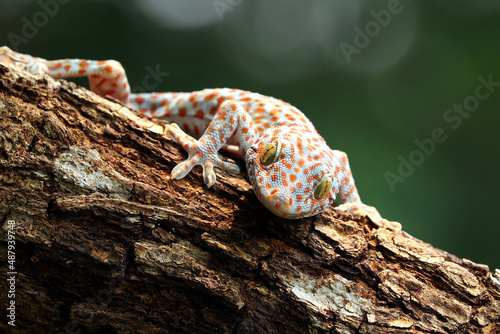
(181, 170)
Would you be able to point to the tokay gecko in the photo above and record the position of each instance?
(291, 168)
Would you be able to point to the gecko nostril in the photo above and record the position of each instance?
(273, 194)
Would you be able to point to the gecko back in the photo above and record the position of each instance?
(193, 111)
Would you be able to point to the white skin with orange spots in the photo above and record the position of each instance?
(291, 168)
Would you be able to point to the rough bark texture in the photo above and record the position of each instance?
(106, 242)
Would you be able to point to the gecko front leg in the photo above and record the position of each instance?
(230, 122)
(351, 201)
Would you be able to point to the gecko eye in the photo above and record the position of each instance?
(270, 153)
(323, 189)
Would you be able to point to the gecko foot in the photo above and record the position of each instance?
(201, 152)
(359, 209)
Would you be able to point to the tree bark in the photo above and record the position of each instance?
(106, 242)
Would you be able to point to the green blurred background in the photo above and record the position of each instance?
(393, 89)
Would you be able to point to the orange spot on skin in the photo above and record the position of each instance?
(108, 68)
(311, 178)
(182, 112)
(83, 64)
(299, 198)
(139, 100)
(103, 80)
(57, 65)
(199, 114)
(210, 96)
(213, 110)
(283, 177)
(338, 170)
(220, 100)
(153, 108)
(319, 156)
(278, 205)
(299, 185)
(274, 177)
(67, 67)
(81, 71)
(258, 111)
(221, 135)
(268, 186)
(222, 115)
(293, 177)
(349, 192)
(246, 99)
(193, 97)
(163, 102)
(301, 163)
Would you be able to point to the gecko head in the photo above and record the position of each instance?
(293, 171)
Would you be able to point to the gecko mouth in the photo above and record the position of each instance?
(278, 203)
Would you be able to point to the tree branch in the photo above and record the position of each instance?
(105, 241)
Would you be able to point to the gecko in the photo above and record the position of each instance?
(292, 170)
